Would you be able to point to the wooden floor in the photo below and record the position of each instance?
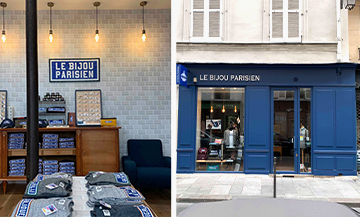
(8, 201)
(159, 200)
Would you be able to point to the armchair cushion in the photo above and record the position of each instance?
(154, 177)
(167, 161)
(146, 153)
(130, 168)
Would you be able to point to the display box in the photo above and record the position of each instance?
(108, 122)
(88, 108)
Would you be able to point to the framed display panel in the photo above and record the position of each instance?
(88, 107)
(3, 105)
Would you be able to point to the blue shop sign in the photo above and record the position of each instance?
(181, 75)
(74, 70)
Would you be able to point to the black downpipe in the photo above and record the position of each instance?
(32, 160)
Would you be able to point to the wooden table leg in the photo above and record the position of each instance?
(4, 184)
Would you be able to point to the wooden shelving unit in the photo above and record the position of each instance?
(97, 148)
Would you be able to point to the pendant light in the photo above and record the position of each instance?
(51, 4)
(143, 4)
(223, 109)
(97, 4)
(235, 110)
(3, 37)
(211, 109)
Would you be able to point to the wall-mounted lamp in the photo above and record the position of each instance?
(97, 4)
(3, 37)
(50, 4)
(195, 80)
(349, 4)
(143, 4)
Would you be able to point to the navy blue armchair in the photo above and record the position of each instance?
(146, 166)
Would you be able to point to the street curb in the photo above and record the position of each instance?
(188, 198)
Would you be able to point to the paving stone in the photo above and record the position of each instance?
(220, 190)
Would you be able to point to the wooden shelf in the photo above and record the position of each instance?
(14, 178)
(51, 102)
(43, 152)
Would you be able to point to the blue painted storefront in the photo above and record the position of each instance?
(333, 107)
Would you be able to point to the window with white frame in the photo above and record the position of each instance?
(285, 22)
(206, 20)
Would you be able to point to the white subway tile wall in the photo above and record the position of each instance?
(135, 76)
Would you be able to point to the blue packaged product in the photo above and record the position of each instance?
(67, 168)
(64, 164)
(67, 146)
(16, 139)
(16, 143)
(16, 171)
(17, 174)
(42, 110)
(72, 172)
(48, 173)
(66, 139)
(40, 160)
(66, 143)
(51, 166)
(49, 147)
(50, 140)
(50, 170)
(15, 147)
(50, 143)
(16, 135)
(51, 136)
(17, 165)
(50, 162)
(17, 161)
(17, 168)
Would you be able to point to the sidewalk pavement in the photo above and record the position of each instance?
(193, 188)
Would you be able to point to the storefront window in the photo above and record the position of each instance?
(305, 130)
(220, 129)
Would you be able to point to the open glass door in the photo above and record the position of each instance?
(284, 125)
(305, 130)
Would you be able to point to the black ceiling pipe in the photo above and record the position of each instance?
(32, 160)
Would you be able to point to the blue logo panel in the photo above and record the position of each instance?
(23, 208)
(121, 178)
(130, 192)
(33, 188)
(181, 75)
(74, 70)
(145, 211)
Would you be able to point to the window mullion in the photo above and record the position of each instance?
(206, 18)
(285, 20)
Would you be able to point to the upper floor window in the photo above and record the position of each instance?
(285, 20)
(206, 20)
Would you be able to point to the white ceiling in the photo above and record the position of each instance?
(88, 4)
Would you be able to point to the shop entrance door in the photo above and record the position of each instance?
(283, 119)
(291, 129)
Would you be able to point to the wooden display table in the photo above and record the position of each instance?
(97, 149)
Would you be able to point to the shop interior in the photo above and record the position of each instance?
(283, 131)
(220, 134)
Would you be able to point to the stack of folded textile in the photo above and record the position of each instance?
(16, 141)
(50, 167)
(66, 142)
(67, 167)
(45, 195)
(50, 141)
(17, 167)
(111, 194)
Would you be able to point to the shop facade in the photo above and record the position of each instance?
(237, 117)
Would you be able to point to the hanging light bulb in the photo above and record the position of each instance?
(143, 4)
(97, 4)
(51, 4)
(223, 109)
(235, 109)
(3, 37)
(143, 35)
(51, 36)
(211, 110)
(97, 35)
